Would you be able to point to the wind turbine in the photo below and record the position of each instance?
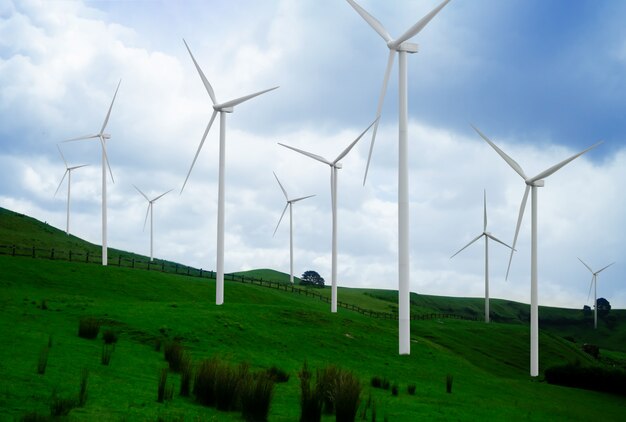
(594, 284)
(105, 163)
(222, 109)
(68, 172)
(150, 211)
(402, 47)
(289, 204)
(488, 236)
(334, 166)
(532, 183)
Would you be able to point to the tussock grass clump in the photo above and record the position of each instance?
(227, 385)
(204, 381)
(61, 406)
(347, 396)
(277, 375)
(449, 379)
(107, 352)
(326, 383)
(109, 336)
(380, 382)
(42, 362)
(49, 341)
(411, 389)
(34, 417)
(43, 305)
(164, 391)
(82, 392)
(186, 373)
(88, 328)
(310, 398)
(256, 397)
(394, 389)
(174, 353)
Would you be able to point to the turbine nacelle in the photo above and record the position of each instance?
(535, 183)
(218, 107)
(407, 47)
(338, 166)
(106, 136)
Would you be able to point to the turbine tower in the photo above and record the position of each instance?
(334, 166)
(289, 204)
(105, 163)
(532, 183)
(68, 172)
(402, 47)
(487, 236)
(150, 211)
(222, 109)
(594, 284)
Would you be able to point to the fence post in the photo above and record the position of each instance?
(200, 272)
(33, 251)
(14, 250)
(119, 260)
(52, 253)
(187, 270)
(148, 265)
(176, 270)
(133, 264)
(86, 256)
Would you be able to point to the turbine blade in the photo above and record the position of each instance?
(61, 182)
(62, 156)
(281, 187)
(485, 209)
(412, 31)
(142, 194)
(558, 166)
(106, 158)
(206, 132)
(379, 109)
(146, 219)
(347, 150)
(300, 199)
(519, 223)
(161, 196)
(236, 101)
(599, 271)
(372, 21)
(106, 120)
(205, 81)
(77, 167)
(80, 138)
(492, 237)
(463, 248)
(588, 267)
(593, 277)
(281, 218)
(308, 154)
(511, 162)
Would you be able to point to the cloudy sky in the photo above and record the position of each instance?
(542, 79)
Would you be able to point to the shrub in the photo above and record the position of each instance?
(204, 381)
(186, 372)
(592, 350)
(277, 375)
(107, 352)
(256, 397)
(326, 381)
(394, 389)
(173, 353)
(164, 392)
(82, 392)
(589, 378)
(42, 363)
(109, 336)
(347, 396)
(411, 389)
(310, 399)
(88, 328)
(449, 379)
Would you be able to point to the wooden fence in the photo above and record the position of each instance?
(119, 260)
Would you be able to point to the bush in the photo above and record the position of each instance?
(88, 328)
(310, 399)
(347, 396)
(449, 379)
(107, 352)
(204, 381)
(42, 362)
(589, 378)
(174, 355)
(109, 336)
(394, 389)
(326, 383)
(411, 389)
(164, 392)
(591, 349)
(186, 372)
(82, 392)
(256, 397)
(277, 375)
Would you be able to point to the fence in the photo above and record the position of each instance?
(120, 260)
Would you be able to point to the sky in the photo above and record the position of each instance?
(543, 79)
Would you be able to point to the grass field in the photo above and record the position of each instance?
(266, 327)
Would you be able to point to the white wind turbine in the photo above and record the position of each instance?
(594, 284)
(488, 236)
(222, 109)
(532, 183)
(289, 204)
(402, 47)
(68, 172)
(150, 211)
(334, 166)
(105, 163)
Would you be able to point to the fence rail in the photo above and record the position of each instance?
(172, 268)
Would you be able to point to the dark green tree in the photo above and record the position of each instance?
(311, 278)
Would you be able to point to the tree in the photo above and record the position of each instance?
(586, 310)
(311, 278)
(603, 306)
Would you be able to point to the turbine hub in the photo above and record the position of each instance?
(536, 183)
(106, 136)
(408, 47)
(338, 166)
(218, 107)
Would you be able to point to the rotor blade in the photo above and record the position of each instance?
(412, 31)
(588, 267)
(106, 120)
(519, 223)
(300, 199)
(347, 150)
(62, 156)
(142, 194)
(511, 162)
(161, 196)
(205, 81)
(281, 218)
(556, 167)
(590, 286)
(599, 271)
(106, 158)
(206, 132)
(485, 209)
(236, 101)
(61, 182)
(492, 237)
(308, 154)
(77, 167)
(473, 240)
(372, 21)
(80, 138)
(146, 219)
(281, 187)
(379, 109)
